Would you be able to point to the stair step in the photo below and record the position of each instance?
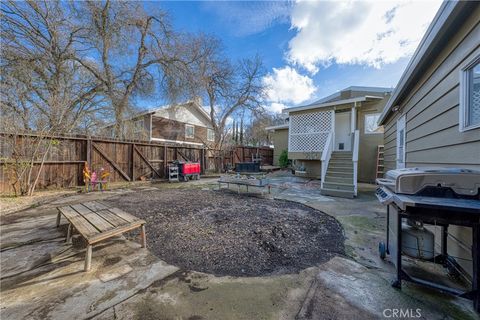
(337, 179)
(345, 161)
(340, 173)
(336, 167)
(339, 186)
(337, 193)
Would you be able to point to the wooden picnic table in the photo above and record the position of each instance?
(96, 221)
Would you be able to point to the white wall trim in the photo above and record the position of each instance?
(401, 122)
(464, 94)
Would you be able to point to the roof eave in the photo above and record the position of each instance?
(332, 104)
(434, 32)
(279, 127)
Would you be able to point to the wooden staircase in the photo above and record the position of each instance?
(339, 178)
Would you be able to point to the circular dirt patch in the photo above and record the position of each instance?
(224, 233)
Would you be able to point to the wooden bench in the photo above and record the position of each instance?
(96, 221)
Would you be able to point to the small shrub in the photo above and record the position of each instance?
(283, 159)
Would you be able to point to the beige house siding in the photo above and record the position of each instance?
(367, 150)
(305, 155)
(280, 142)
(313, 168)
(433, 137)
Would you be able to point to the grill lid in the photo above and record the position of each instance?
(413, 180)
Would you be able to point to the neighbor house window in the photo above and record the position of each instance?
(210, 135)
(138, 126)
(470, 95)
(189, 131)
(371, 125)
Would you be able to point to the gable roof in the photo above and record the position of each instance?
(196, 104)
(335, 98)
(443, 25)
(337, 94)
(190, 112)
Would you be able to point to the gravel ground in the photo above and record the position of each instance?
(223, 233)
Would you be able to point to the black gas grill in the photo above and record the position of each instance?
(418, 197)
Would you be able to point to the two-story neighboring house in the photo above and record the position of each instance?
(187, 123)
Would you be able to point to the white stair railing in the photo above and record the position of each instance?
(356, 141)
(326, 154)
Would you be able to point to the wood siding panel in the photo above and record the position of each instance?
(443, 105)
(443, 120)
(163, 128)
(443, 136)
(466, 153)
(390, 145)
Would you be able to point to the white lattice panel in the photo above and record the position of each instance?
(308, 132)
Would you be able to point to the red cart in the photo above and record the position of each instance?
(188, 170)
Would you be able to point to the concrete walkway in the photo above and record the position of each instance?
(42, 278)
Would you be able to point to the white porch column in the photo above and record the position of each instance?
(353, 124)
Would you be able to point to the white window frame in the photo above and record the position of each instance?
(464, 95)
(365, 123)
(212, 134)
(186, 131)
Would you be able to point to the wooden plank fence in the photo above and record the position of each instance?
(126, 160)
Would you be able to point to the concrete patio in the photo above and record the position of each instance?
(42, 277)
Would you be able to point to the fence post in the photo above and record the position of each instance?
(89, 150)
(132, 159)
(203, 161)
(165, 161)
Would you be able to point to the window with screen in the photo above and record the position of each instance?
(470, 96)
(210, 135)
(371, 125)
(189, 131)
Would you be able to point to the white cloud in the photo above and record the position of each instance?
(367, 33)
(276, 107)
(286, 85)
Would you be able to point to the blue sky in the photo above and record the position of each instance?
(311, 49)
